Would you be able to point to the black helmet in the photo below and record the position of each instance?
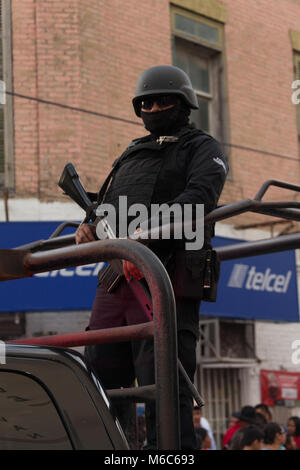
(164, 80)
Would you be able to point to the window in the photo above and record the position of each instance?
(196, 29)
(28, 417)
(197, 45)
(222, 391)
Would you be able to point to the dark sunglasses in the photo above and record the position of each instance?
(161, 101)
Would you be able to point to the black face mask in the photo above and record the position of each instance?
(166, 122)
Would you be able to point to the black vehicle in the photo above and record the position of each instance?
(50, 400)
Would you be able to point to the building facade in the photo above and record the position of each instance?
(70, 69)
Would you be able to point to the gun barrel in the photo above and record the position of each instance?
(70, 183)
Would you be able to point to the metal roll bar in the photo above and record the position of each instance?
(246, 249)
(280, 184)
(21, 263)
(58, 252)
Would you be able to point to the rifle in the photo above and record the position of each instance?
(70, 183)
(113, 273)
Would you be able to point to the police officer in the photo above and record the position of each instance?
(173, 163)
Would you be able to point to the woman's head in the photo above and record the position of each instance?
(273, 432)
(293, 426)
(203, 439)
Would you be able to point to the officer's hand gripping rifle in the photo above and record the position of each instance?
(110, 277)
(70, 183)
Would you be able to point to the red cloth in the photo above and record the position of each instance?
(229, 433)
(297, 441)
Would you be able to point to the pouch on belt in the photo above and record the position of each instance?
(195, 274)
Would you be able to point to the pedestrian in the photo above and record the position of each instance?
(284, 438)
(140, 426)
(260, 421)
(274, 437)
(293, 427)
(203, 439)
(246, 417)
(265, 411)
(235, 442)
(290, 443)
(233, 426)
(174, 163)
(233, 419)
(201, 422)
(252, 438)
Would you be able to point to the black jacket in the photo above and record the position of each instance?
(191, 170)
(188, 169)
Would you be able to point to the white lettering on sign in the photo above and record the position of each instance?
(242, 276)
(238, 275)
(2, 353)
(289, 393)
(82, 271)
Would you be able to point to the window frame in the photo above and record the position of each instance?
(211, 97)
(201, 20)
(215, 53)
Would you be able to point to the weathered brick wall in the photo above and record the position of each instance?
(118, 40)
(259, 60)
(25, 112)
(89, 54)
(46, 48)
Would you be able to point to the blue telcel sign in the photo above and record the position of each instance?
(261, 287)
(65, 289)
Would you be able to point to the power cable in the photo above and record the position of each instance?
(129, 121)
(73, 108)
(264, 152)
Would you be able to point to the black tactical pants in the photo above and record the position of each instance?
(118, 364)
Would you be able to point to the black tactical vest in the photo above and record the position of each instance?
(147, 172)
